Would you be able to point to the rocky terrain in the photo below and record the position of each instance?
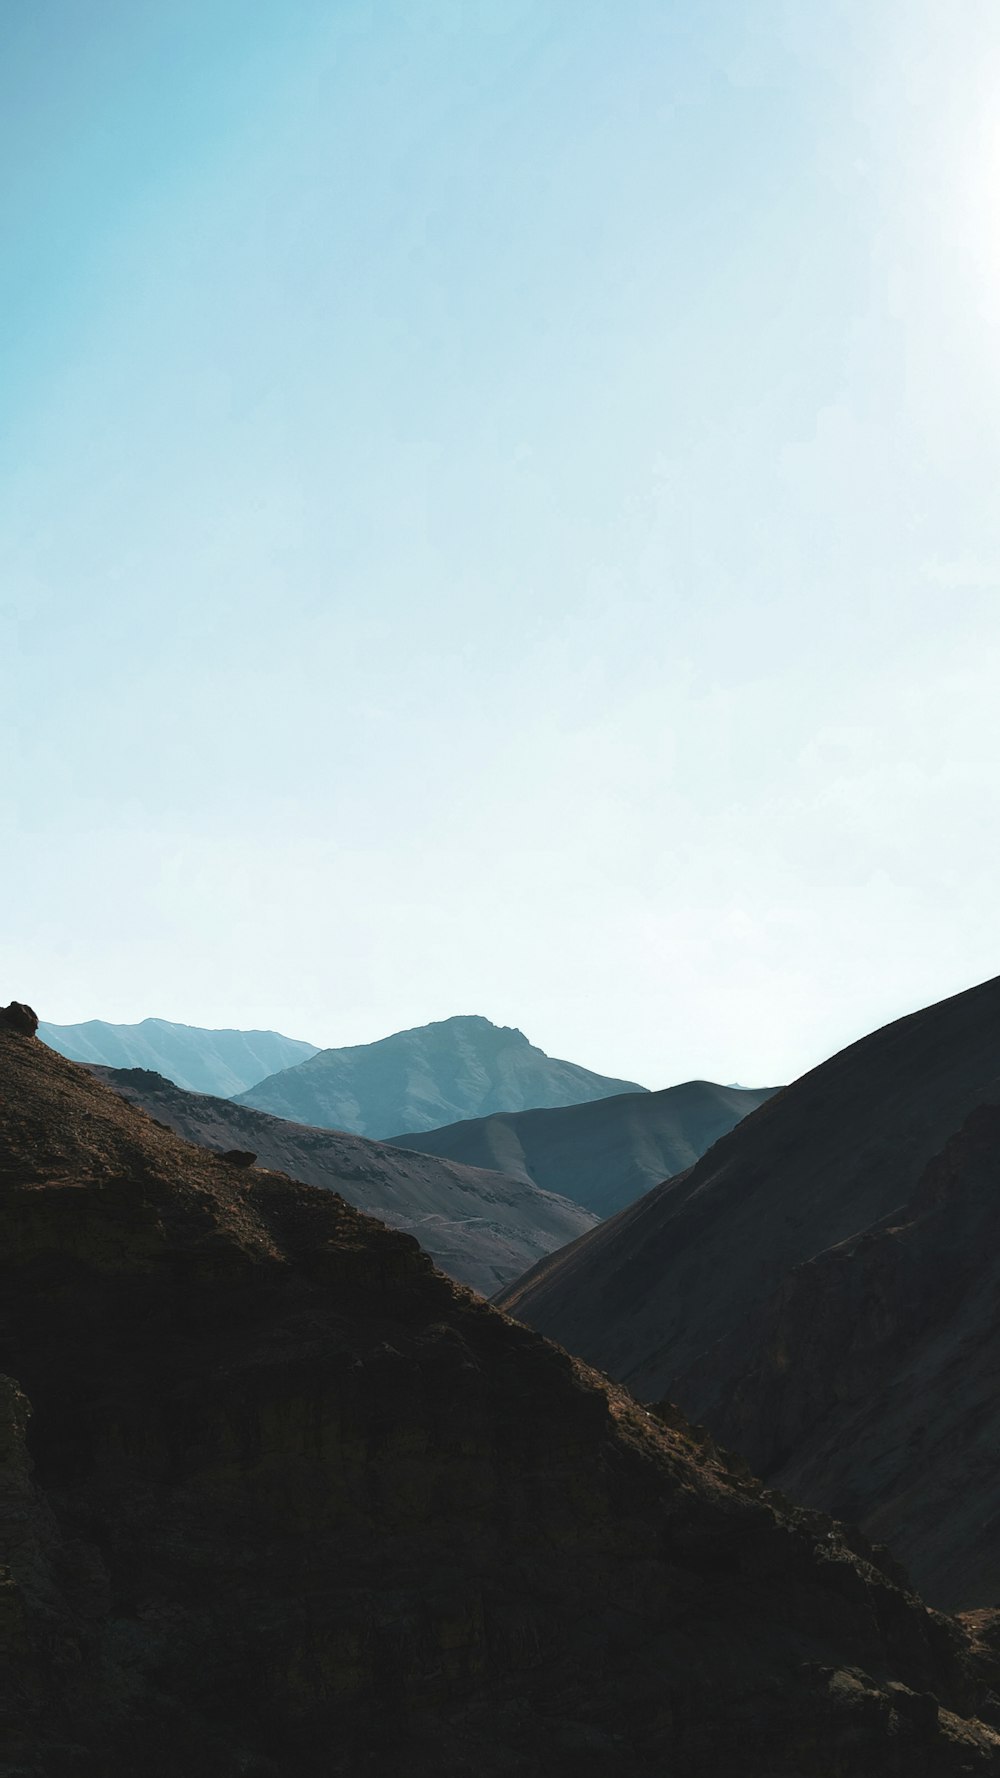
(822, 1290)
(604, 1154)
(223, 1062)
(278, 1499)
(480, 1227)
(420, 1079)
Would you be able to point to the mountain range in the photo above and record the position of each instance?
(416, 1080)
(278, 1499)
(603, 1154)
(821, 1289)
(481, 1227)
(224, 1062)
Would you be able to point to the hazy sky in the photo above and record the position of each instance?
(500, 512)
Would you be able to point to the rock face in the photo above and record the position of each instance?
(278, 1499)
(806, 1289)
(421, 1079)
(18, 1017)
(481, 1228)
(224, 1062)
(604, 1154)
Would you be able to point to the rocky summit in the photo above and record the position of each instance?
(420, 1079)
(278, 1500)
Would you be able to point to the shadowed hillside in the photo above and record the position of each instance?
(604, 1154)
(278, 1499)
(813, 1293)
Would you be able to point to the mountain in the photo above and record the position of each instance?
(202, 1061)
(806, 1289)
(277, 1498)
(889, 1411)
(417, 1080)
(603, 1154)
(480, 1227)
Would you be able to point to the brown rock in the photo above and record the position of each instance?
(18, 1017)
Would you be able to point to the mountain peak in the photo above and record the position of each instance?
(455, 1068)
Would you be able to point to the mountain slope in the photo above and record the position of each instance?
(480, 1227)
(888, 1410)
(683, 1292)
(420, 1079)
(223, 1062)
(603, 1154)
(288, 1503)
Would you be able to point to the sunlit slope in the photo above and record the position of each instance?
(420, 1079)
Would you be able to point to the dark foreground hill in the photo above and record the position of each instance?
(480, 1227)
(420, 1079)
(604, 1154)
(223, 1062)
(277, 1498)
(824, 1294)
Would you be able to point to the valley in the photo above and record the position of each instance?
(482, 1227)
(277, 1497)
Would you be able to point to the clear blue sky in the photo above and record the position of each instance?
(499, 513)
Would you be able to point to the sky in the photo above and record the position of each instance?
(500, 513)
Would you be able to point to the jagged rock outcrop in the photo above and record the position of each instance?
(287, 1503)
(813, 1294)
(480, 1227)
(18, 1017)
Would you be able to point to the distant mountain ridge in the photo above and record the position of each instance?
(479, 1226)
(605, 1153)
(201, 1061)
(462, 1067)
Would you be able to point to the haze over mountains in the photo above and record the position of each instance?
(480, 1227)
(203, 1061)
(822, 1289)
(603, 1154)
(276, 1498)
(434, 1074)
